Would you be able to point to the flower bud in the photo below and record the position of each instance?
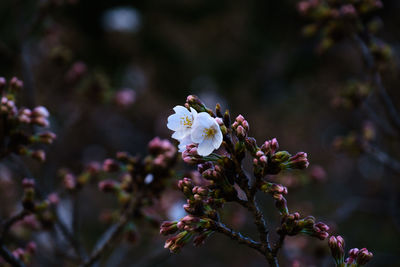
(110, 165)
(240, 132)
(196, 103)
(53, 198)
(28, 183)
(336, 244)
(168, 228)
(16, 84)
(363, 256)
(40, 111)
(69, 181)
(107, 186)
(199, 239)
(251, 145)
(280, 157)
(40, 121)
(270, 147)
(47, 137)
(39, 155)
(176, 243)
(3, 83)
(125, 97)
(191, 156)
(31, 247)
(348, 11)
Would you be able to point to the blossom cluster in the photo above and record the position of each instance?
(191, 127)
(224, 180)
(18, 123)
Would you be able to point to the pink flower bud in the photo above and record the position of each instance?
(16, 84)
(39, 155)
(93, 167)
(31, 247)
(110, 165)
(28, 183)
(2, 82)
(241, 132)
(239, 119)
(363, 257)
(53, 198)
(40, 111)
(69, 181)
(47, 137)
(125, 97)
(107, 185)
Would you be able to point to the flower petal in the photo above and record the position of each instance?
(197, 134)
(217, 140)
(174, 122)
(178, 135)
(187, 140)
(205, 148)
(203, 119)
(181, 110)
(194, 112)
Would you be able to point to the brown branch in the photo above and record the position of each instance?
(221, 228)
(278, 245)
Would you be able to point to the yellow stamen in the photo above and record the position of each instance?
(186, 121)
(209, 133)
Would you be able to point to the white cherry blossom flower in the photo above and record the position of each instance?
(206, 132)
(181, 122)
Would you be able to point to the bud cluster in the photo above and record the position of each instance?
(292, 225)
(224, 180)
(40, 208)
(25, 254)
(202, 204)
(337, 20)
(17, 123)
(357, 257)
(224, 174)
(352, 95)
(128, 177)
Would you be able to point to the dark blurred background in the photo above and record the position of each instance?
(110, 73)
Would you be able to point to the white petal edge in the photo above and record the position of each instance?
(174, 123)
(217, 140)
(205, 148)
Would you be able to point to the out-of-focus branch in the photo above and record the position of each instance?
(383, 157)
(390, 108)
(6, 225)
(9, 257)
(112, 233)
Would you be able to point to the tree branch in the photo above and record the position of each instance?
(112, 233)
(222, 228)
(9, 257)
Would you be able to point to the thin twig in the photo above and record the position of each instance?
(278, 245)
(383, 157)
(221, 228)
(390, 108)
